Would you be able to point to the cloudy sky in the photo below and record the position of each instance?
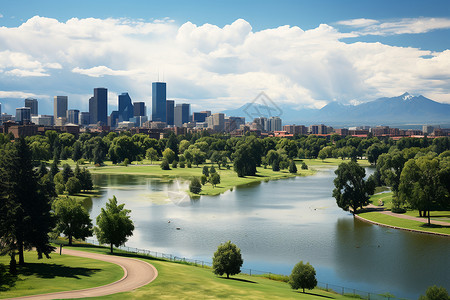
(221, 54)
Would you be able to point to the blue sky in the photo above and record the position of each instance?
(221, 54)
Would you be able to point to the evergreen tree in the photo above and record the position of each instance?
(77, 152)
(292, 167)
(25, 218)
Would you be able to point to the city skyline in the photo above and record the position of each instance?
(299, 53)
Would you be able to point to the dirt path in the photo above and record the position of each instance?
(137, 273)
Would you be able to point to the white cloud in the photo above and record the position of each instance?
(217, 68)
(1, 16)
(402, 26)
(19, 94)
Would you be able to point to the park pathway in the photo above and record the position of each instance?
(137, 273)
(382, 210)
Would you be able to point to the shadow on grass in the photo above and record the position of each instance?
(7, 281)
(434, 226)
(314, 294)
(239, 279)
(42, 270)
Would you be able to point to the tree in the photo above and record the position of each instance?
(195, 186)
(304, 166)
(421, 185)
(351, 191)
(72, 219)
(303, 276)
(244, 162)
(212, 170)
(77, 152)
(114, 224)
(214, 179)
(203, 179)
(67, 172)
(390, 166)
(25, 218)
(169, 155)
(435, 293)
(73, 186)
(165, 164)
(205, 171)
(227, 260)
(292, 167)
(151, 154)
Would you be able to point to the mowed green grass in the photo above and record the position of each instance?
(228, 178)
(404, 223)
(60, 273)
(180, 281)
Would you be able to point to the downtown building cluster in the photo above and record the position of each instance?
(166, 115)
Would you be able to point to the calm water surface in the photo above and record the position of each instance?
(276, 224)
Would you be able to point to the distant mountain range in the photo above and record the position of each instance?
(404, 109)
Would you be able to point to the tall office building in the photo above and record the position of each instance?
(42, 120)
(114, 117)
(274, 124)
(181, 114)
(32, 104)
(126, 110)
(159, 101)
(84, 118)
(216, 122)
(170, 112)
(59, 106)
(199, 116)
(98, 106)
(23, 115)
(139, 109)
(73, 116)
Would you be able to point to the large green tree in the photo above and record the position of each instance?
(351, 190)
(303, 276)
(423, 186)
(244, 162)
(227, 260)
(72, 219)
(25, 218)
(114, 224)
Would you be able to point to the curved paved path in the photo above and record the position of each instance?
(137, 273)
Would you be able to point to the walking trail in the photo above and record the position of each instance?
(137, 273)
(381, 210)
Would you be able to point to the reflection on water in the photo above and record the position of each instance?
(276, 224)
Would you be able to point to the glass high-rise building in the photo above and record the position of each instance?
(23, 115)
(32, 104)
(170, 112)
(73, 116)
(60, 106)
(181, 115)
(159, 101)
(126, 110)
(139, 109)
(98, 106)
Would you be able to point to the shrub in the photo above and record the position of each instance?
(174, 164)
(165, 165)
(304, 166)
(204, 179)
(182, 164)
(195, 186)
(189, 164)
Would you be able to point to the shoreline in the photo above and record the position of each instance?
(400, 228)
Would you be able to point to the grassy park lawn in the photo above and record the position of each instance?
(315, 162)
(403, 223)
(60, 273)
(181, 281)
(436, 215)
(384, 198)
(228, 178)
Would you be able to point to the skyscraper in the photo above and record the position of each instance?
(139, 109)
(59, 106)
(32, 104)
(23, 115)
(159, 101)
(98, 106)
(73, 116)
(181, 114)
(126, 110)
(170, 104)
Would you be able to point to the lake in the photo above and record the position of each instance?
(276, 224)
